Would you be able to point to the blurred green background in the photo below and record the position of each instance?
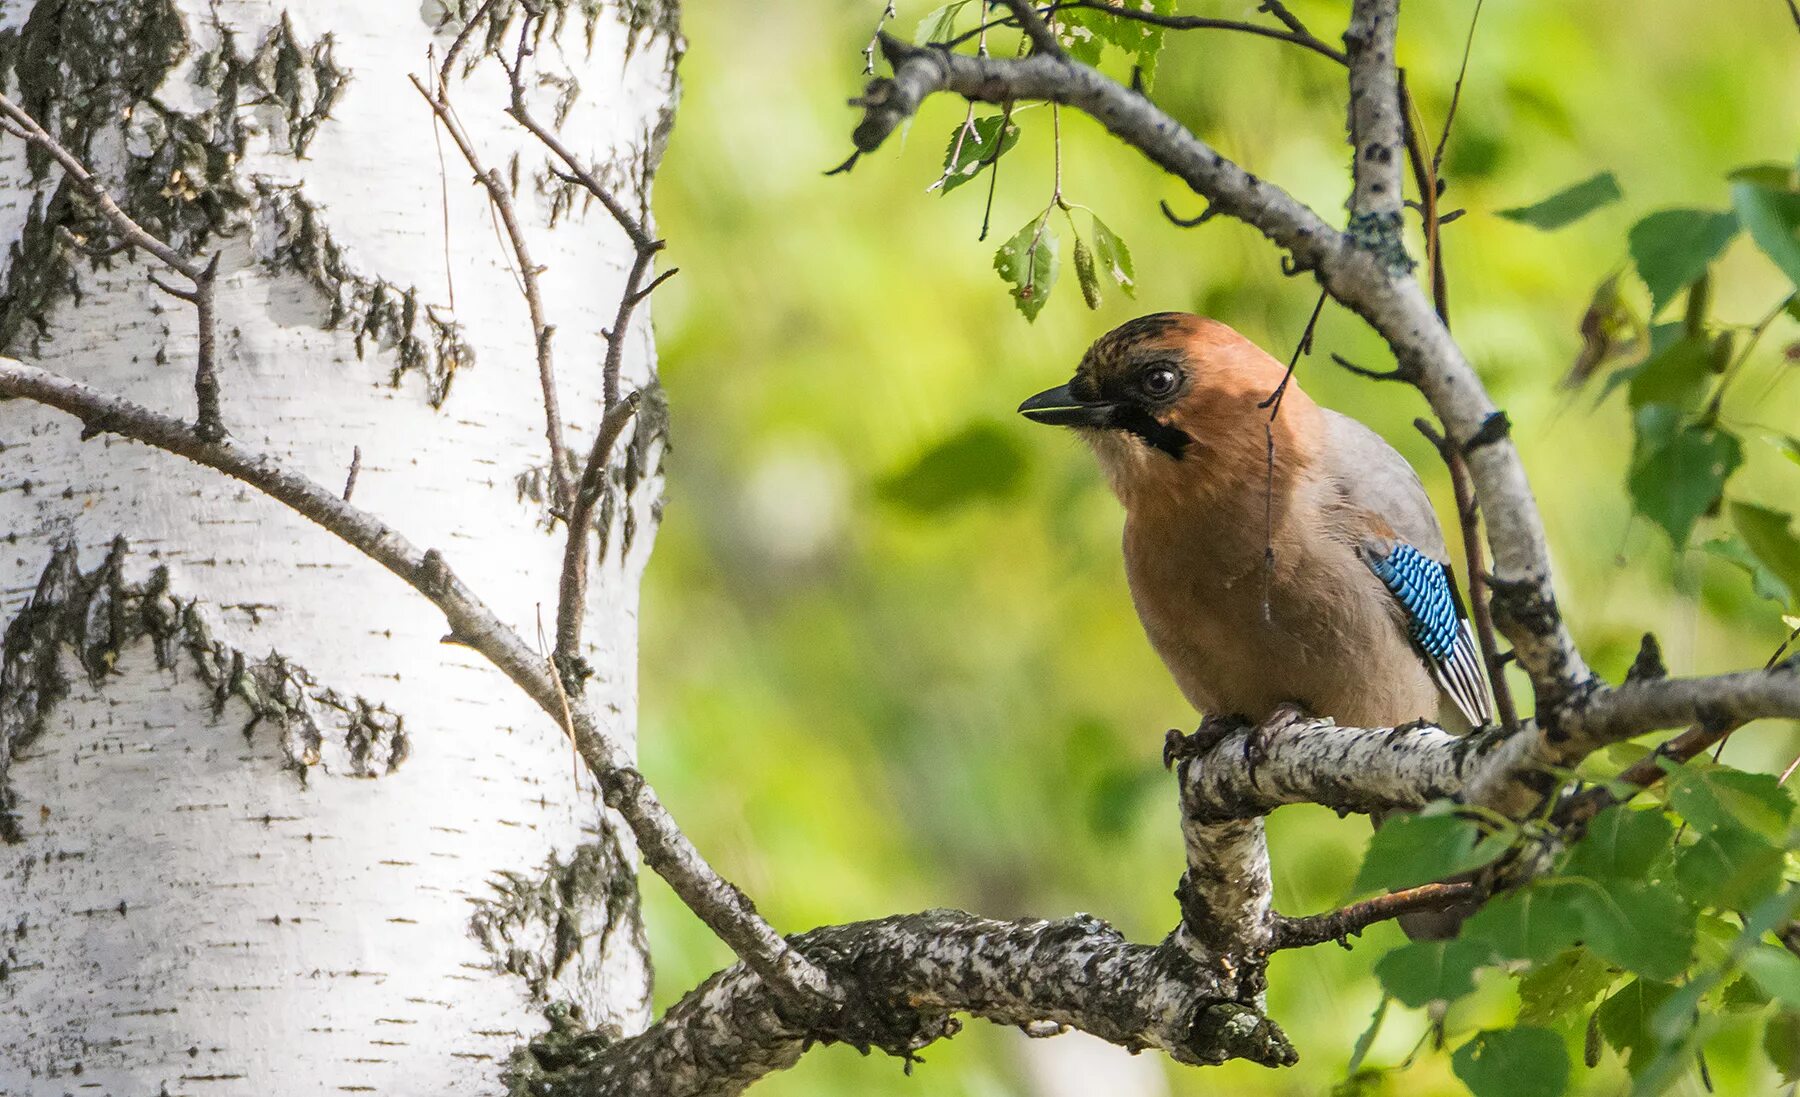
(889, 660)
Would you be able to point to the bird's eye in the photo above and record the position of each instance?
(1158, 381)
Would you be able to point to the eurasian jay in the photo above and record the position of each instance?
(1292, 561)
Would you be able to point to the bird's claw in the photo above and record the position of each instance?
(1212, 731)
(1257, 736)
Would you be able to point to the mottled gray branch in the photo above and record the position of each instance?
(1512, 781)
(914, 972)
(724, 909)
(1242, 773)
(1250, 772)
(1377, 127)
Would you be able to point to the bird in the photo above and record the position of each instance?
(1281, 555)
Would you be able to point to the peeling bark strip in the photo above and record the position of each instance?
(554, 929)
(917, 970)
(94, 617)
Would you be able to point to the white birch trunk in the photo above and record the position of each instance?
(361, 862)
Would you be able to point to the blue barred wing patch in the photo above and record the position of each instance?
(1422, 587)
(1419, 584)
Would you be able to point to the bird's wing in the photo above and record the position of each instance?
(1409, 557)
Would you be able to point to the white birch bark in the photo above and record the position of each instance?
(384, 881)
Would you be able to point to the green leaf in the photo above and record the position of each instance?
(1568, 205)
(1421, 972)
(1676, 375)
(1684, 478)
(1714, 798)
(1085, 32)
(1776, 971)
(1528, 924)
(1028, 263)
(1515, 1062)
(1115, 257)
(1728, 869)
(1764, 582)
(1743, 996)
(1626, 1021)
(1552, 992)
(1644, 928)
(1781, 1043)
(974, 148)
(1418, 849)
(1770, 535)
(982, 461)
(939, 24)
(1621, 842)
(1672, 248)
(1768, 205)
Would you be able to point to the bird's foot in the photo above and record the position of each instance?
(1256, 738)
(1212, 731)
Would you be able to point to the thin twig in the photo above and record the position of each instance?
(1468, 512)
(1043, 39)
(1398, 373)
(571, 604)
(1338, 925)
(1462, 71)
(1296, 33)
(887, 14)
(355, 470)
(542, 333)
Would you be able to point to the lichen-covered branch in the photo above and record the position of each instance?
(1377, 132)
(913, 973)
(724, 909)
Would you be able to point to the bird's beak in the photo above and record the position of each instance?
(1058, 407)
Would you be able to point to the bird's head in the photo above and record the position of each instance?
(1171, 400)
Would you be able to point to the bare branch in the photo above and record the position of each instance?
(1043, 39)
(500, 197)
(1237, 772)
(1340, 924)
(571, 602)
(1247, 772)
(93, 191)
(1468, 513)
(1512, 781)
(724, 909)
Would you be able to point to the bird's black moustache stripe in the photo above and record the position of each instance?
(1171, 440)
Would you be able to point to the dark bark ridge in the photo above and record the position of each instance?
(90, 619)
